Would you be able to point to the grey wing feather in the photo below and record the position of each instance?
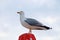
(33, 22)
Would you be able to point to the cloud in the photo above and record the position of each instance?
(49, 19)
(39, 3)
(45, 2)
(3, 34)
(48, 38)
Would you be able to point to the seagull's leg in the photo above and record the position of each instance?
(30, 30)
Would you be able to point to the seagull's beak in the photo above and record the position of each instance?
(18, 12)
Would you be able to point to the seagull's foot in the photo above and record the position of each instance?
(30, 31)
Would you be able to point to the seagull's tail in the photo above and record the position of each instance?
(46, 27)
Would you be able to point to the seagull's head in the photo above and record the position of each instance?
(21, 13)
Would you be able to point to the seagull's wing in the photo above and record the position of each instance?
(34, 22)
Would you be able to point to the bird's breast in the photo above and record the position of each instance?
(25, 24)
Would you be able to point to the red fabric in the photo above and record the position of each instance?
(27, 36)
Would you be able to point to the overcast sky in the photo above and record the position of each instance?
(45, 11)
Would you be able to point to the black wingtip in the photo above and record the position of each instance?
(47, 27)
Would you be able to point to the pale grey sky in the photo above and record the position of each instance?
(45, 11)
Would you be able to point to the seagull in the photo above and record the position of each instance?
(31, 24)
